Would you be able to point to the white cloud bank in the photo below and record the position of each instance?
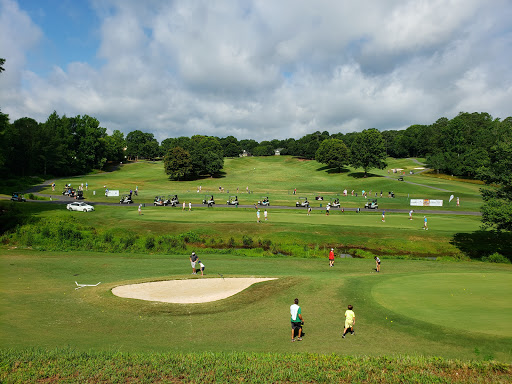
(269, 69)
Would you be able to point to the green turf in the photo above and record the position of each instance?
(41, 308)
(471, 302)
(277, 177)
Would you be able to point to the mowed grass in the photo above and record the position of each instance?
(478, 301)
(277, 177)
(41, 308)
(396, 236)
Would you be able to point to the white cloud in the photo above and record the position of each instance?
(263, 70)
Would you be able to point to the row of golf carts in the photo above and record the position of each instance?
(161, 201)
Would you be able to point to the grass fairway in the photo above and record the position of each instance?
(41, 308)
(277, 177)
(474, 302)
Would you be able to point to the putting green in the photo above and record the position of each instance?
(474, 302)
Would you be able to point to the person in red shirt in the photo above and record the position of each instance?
(331, 258)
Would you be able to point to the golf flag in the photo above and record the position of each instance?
(451, 198)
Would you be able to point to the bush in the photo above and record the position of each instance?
(496, 258)
(150, 242)
(247, 241)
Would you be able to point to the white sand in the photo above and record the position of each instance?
(187, 291)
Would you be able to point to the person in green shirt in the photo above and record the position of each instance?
(350, 320)
(297, 320)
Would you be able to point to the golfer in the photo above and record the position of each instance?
(331, 258)
(350, 321)
(193, 259)
(265, 214)
(383, 216)
(377, 264)
(258, 216)
(140, 209)
(201, 266)
(327, 209)
(425, 226)
(410, 214)
(296, 319)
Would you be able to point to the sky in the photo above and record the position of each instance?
(259, 69)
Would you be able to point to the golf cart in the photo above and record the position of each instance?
(401, 178)
(18, 196)
(208, 199)
(160, 201)
(372, 204)
(69, 192)
(264, 201)
(303, 202)
(173, 200)
(126, 199)
(335, 203)
(233, 200)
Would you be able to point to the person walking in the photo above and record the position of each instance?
(425, 226)
(296, 319)
(327, 209)
(265, 214)
(189, 206)
(309, 211)
(183, 209)
(410, 214)
(350, 321)
(258, 216)
(331, 258)
(140, 209)
(383, 216)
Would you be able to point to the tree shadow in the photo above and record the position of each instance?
(331, 170)
(484, 243)
(361, 175)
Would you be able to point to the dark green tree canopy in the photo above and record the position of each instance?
(368, 150)
(497, 209)
(334, 153)
(178, 164)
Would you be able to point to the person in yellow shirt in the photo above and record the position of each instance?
(350, 320)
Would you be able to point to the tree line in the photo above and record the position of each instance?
(64, 145)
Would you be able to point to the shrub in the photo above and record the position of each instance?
(247, 241)
(496, 258)
(149, 242)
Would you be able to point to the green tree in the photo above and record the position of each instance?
(231, 146)
(89, 141)
(368, 151)
(497, 208)
(207, 155)
(334, 153)
(178, 164)
(141, 145)
(114, 146)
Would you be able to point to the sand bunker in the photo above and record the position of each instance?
(188, 291)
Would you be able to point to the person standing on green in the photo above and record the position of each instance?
(350, 321)
(296, 319)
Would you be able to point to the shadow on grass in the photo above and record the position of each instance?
(331, 170)
(361, 175)
(484, 243)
